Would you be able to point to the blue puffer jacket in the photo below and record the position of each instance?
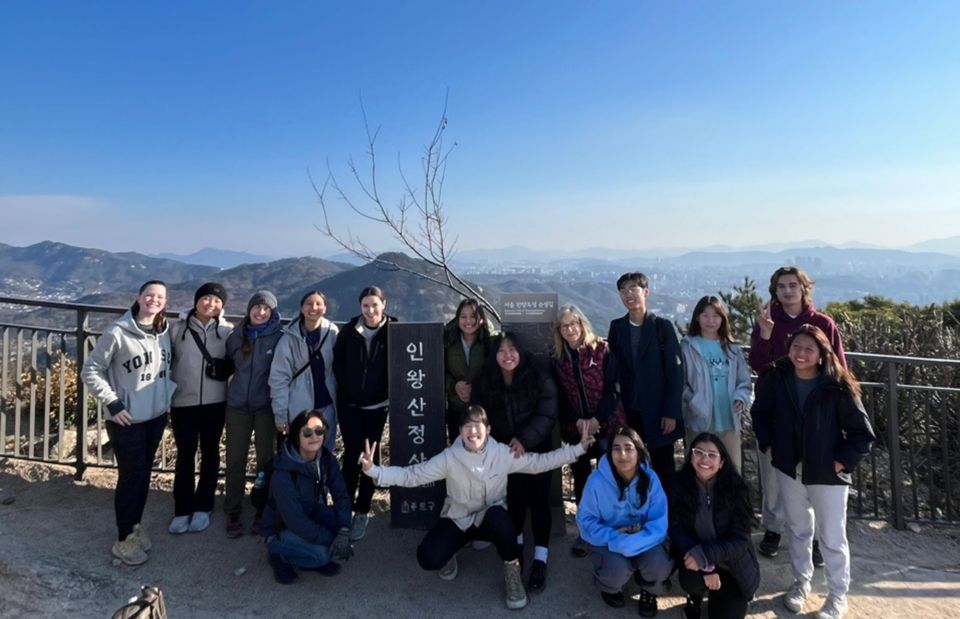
(602, 513)
(298, 497)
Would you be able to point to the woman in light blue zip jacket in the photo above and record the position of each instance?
(623, 517)
(717, 390)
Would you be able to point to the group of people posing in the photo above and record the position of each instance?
(620, 405)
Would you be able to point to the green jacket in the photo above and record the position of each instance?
(458, 369)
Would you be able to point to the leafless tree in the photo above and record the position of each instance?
(418, 220)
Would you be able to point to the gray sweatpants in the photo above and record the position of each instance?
(823, 509)
(612, 570)
(774, 518)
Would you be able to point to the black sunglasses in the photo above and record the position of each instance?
(308, 432)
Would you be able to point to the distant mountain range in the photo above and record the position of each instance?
(220, 258)
(56, 271)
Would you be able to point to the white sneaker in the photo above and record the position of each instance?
(516, 595)
(199, 521)
(796, 597)
(449, 571)
(833, 608)
(142, 538)
(359, 527)
(179, 524)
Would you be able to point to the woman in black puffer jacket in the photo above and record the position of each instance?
(710, 518)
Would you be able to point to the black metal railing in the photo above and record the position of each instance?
(912, 473)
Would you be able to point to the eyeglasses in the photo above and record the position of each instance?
(308, 432)
(709, 456)
(568, 326)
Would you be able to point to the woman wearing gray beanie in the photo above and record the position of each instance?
(250, 347)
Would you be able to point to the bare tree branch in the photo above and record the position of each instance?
(417, 220)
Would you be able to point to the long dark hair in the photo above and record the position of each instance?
(643, 480)
(160, 320)
(730, 491)
(483, 334)
(304, 298)
(830, 365)
(725, 335)
(525, 388)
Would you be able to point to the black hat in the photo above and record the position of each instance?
(210, 288)
(262, 297)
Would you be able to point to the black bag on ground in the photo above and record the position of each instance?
(148, 605)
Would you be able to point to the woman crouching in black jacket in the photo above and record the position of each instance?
(710, 518)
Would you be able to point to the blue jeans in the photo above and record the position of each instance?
(298, 551)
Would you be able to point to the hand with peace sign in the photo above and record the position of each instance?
(366, 458)
(586, 437)
(765, 322)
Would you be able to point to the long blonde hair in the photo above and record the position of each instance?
(589, 338)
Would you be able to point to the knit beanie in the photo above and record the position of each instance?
(262, 297)
(210, 288)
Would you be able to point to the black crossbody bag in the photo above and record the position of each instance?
(214, 369)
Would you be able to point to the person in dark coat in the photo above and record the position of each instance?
(521, 401)
(360, 363)
(645, 363)
(466, 338)
(307, 519)
(809, 420)
(710, 520)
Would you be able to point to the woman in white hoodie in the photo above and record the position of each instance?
(717, 390)
(128, 373)
(475, 468)
(199, 405)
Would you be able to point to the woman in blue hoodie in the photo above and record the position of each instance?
(250, 346)
(623, 516)
(307, 519)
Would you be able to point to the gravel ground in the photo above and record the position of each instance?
(55, 561)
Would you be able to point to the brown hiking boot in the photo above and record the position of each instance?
(129, 551)
(516, 595)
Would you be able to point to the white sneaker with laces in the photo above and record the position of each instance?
(179, 525)
(796, 597)
(199, 521)
(833, 608)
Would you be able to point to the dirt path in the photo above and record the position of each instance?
(55, 561)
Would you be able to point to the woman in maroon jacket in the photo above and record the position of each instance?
(578, 365)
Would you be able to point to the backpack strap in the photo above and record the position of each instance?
(200, 345)
(314, 354)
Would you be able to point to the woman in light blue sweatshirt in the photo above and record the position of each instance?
(717, 390)
(623, 517)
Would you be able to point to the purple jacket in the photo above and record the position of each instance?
(764, 352)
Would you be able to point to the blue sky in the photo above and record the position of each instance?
(179, 125)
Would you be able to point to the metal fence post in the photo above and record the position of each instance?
(893, 429)
(81, 419)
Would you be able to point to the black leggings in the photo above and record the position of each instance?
(445, 538)
(356, 426)
(727, 602)
(193, 425)
(531, 492)
(135, 447)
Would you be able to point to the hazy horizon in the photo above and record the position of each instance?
(174, 127)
